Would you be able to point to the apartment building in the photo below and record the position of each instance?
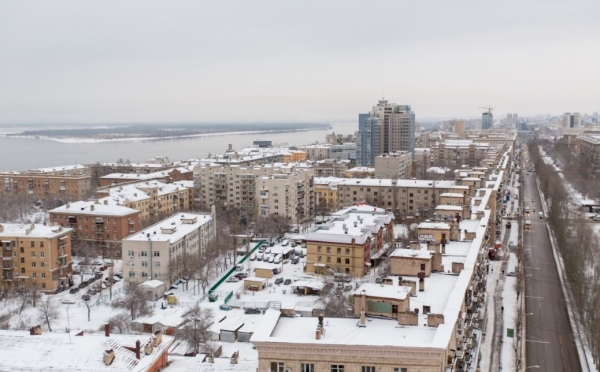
(36, 254)
(395, 165)
(167, 176)
(293, 156)
(326, 198)
(97, 224)
(71, 182)
(159, 251)
(238, 187)
(316, 151)
(331, 168)
(418, 319)
(588, 147)
(360, 172)
(102, 169)
(402, 197)
(347, 243)
(456, 153)
(154, 199)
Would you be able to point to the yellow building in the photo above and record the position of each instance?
(36, 254)
(292, 156)
(326, 194)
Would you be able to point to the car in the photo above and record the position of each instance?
(278, 280)
(239, 267)
(173, 287)
(533, 200)
(259, 257)
(268, 251)
(596, 218)
(232, 279)
(241, 276)
(285, 243)
(271, 259)
(295, 260)
(253, 257)
(378, 280)
(120, 276)
(68, 302)
(85, 297)
(102, 268)
(512, 273)
(224, 307)
(74, 290)
(293, 244)
(278, 259)
(252, 311)
(287, 282)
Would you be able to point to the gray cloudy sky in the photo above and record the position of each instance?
(244, 61)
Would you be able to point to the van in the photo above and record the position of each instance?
(278, 259)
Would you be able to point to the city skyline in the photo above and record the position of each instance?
(310, 61)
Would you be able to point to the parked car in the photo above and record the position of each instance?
(74, 290)
(253, 257)
(232, 279)
(239, 267)
(271, 259)
(120, 276)
(102, 268)
(259, 257)
(285, 243)
(224, 307)
(241, 276)
(293, 244)
(278, 259)
(252, 311)
(278, 280)
(378, 280)
(287, 282)
(85, 297)
(295, 260)
(596, 218)
(268, 251)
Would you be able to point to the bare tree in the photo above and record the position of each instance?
(195, 331)
(336, 301)
(119, 323)
(134, 301)
(48, 312)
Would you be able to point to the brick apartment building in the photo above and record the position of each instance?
(97, 224)
(36, 254)
(70, 182)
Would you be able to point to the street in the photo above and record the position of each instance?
(548, 330)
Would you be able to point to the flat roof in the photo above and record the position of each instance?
(99, 209)
(39, 230)
(155, 232)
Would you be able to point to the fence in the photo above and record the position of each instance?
(232, 270)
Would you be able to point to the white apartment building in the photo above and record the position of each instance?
(317, 151)
(286, 195)
(159, 251)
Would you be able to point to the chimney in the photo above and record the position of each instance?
(421, 276)
(68, 205)
(106, 330)
(362, 319)
(92, 207)
(318, 333)
(105, 202)
(137, 349)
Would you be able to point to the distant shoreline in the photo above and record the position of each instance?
(83, 140)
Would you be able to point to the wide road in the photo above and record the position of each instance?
(549, 336)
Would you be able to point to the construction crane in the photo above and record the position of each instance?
(489, 108)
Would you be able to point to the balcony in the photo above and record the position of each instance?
(7, 258)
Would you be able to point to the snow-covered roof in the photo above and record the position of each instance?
(152, 283)
(62, 168)
(393, 291)
(173, 228)
(452, 195)
(448, 208)
(38, 231)
(309, 284)
(433, 225)
(411, 253)
(56, 351)
(93, 208)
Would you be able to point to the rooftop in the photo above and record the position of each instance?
(31, 230)
(94, 208)
(173, 228)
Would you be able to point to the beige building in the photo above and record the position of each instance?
(395, 165)
(239, 187)
(456, 153)
(70, 182)
(360, 172)
(326, 198)
(347, 243)
(159, 251)
(588, 147)
(36, 254)
(317, 151)
(331, 168)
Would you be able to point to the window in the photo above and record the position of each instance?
(42, 264)
(320, 258)
(328, 249)
(423, 267)
(276, 366)
(144, 275)
(22, 250)
(43, 275)
(328, 259)
(130, 253)
(144, 263)
(143, 253)
(33, 264)
(32, 244)
(368, 368)
(339, 260)
(33, 275)
(131, 274)
(156, 253)
(307, 367)
(41, 254)
(32, 254)
(339, 251)
(347, 261)
(41, 244)
(22, 270)
(157, 264)
(22, 260)
(43, 285)
(337, 368)
(347, 250)
(400, 369)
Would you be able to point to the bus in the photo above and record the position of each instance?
(527, 224)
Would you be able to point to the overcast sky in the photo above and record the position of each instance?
(248, 61)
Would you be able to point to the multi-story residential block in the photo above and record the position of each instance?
(344, 151)
(331, 168)
(459, 152)
(98, 170)
(286, 195)
(347, 243)
(393, 130)
(293, 156)
(588, 147)
(338, 139)
(97, 224)
(237, 187)
(167, 176)
(360, 172)
(571, 121)
(71, 182)
(154, 199)
(317, 151)
(326, 198)
(401, 197)
(36, 254)
(159, 252)
(395, 165)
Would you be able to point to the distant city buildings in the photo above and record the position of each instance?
(571, 120)
(487, 120)
(387, 128)
(70, 182)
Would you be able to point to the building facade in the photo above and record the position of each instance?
(96, 224)
(395, 165)
(36, 254)
(70, 182)
(160, 251)
(487, 120)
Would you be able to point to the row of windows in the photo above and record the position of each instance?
(328, 250)
(309, 367)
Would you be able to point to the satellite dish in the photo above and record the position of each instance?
(413, 227)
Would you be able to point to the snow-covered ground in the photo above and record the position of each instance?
(509, 301)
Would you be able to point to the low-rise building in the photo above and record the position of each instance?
(166, 176)
(160, 251)
(360, 172)
(346, 243)
(331, 168)
(36, 254)
(316, 151)
(396, 165)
